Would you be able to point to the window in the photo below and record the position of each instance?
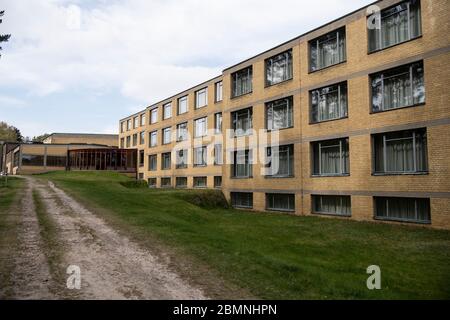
(280, 161)
(242, 121)
(152, 182)
(200, 156)
(242, 164)
(403, 209)
(32, 160)
(128, 141)
(218, 158)
(201, 98)
(327, 50)
(241, 82)
(242, 200)
(400, 152)
(398, 87)
(331, 205)
(141, 176)
(135, 122)
(218, 182)
(181, 182)
(279, 114)
(182, 131)
(280, 202)
(122, 127)
(142, 137)
(122, 143)
(218, 88)
(165, 161)
(143, 119)
(167, 111)
(154, 116)
(329, 103)
(16, 158)
(128, 124)
(218, 122)
(279, 68)
(166, 136)
(200, 127)
(166, 183)
(398, 24)
(200, 182)
(141, 158)
(182, 159)
(135, 139)
(331, 157)
(183, 105)
(153, 138)
(56, 161)
(152, 162)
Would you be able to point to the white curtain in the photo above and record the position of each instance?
(333, 204)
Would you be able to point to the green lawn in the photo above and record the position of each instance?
(9, 218)
(276, 256)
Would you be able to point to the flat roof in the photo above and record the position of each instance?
(82, 134)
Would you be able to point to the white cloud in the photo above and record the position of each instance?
(146, 50)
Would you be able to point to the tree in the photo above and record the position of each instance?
(40, 138)
(9, 133)
(3, 37)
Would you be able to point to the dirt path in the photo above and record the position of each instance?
(112, 266)
(31, 278)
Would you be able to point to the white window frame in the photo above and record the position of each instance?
(180, 100)
(198, 98)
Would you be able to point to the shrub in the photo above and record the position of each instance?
(206, 198)
(134, 184)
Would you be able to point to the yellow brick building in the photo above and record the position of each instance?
(359, 108)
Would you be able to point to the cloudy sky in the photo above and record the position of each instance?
(80, 66)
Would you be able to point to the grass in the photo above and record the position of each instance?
(276, 256)
(9, 198)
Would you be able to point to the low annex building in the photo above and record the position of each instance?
(68, 151)
(360, 107)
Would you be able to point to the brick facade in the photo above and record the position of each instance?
(432, 47)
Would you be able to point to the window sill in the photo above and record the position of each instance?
(242, 178)
(181, 167)
(242, 135)
(399, 108)
(401, 220)
(381, 174)
(279, 177)
(241, 207)
(280, 129)
(327, 67)
(266, 86)
(330, 175)
(195, 187)
(332, 214)
(393, 45)
(330, 120)
(199, 165)
(242, 95)
(280, 210)
(198, 108)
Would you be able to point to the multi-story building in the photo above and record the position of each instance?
(359, 108)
